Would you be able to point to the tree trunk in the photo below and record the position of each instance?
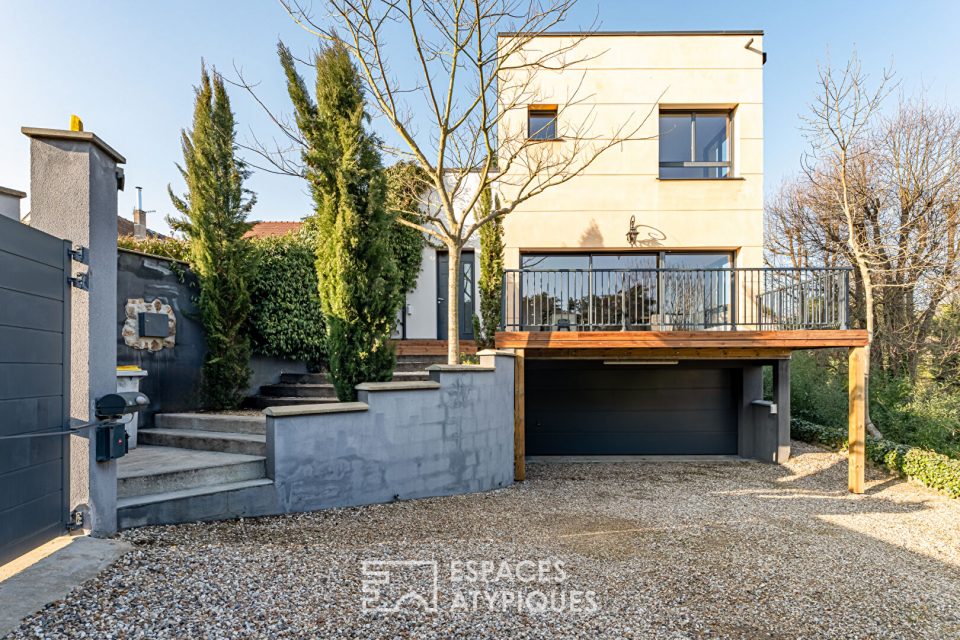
(453, 306)
(869, 304)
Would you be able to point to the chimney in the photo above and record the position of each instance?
(139, 217)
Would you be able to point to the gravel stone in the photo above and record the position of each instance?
(671, 550)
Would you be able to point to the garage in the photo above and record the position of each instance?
(596, 407)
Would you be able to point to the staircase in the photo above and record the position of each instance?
(316, 388)
(194, 467)
(199, 466)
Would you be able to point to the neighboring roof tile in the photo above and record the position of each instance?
(269, 229)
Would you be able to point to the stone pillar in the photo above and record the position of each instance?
(74, 180)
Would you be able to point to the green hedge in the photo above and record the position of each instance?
(285, 319)
(164, 247)
(930, 468)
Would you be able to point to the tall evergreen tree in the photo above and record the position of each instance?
(406, 184)
(491, 276)
(359, 283)
(214, 219)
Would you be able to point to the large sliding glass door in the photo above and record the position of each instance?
(613, 291)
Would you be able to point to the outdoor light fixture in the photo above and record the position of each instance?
(633, 233)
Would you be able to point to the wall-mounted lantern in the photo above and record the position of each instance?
(632, 233)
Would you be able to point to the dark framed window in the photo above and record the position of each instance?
(542, 122)
(695, 144)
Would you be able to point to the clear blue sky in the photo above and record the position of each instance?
(127, 68)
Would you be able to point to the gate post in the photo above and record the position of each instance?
(74, 180)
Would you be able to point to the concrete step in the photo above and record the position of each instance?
(417, 363)
(212, 422)
(149, 470)
(410, 376)
(298, 390)
(304, 378)
(262, 402)
(250, 444)
(216, 502)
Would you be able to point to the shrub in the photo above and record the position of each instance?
(925, 413)
(286, 320)
(929, 468)
(406, 184)
(174, 248)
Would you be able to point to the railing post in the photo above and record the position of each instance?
(503, 302)
(845, 311)
(623, 302)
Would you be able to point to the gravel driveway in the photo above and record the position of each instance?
(664, 550)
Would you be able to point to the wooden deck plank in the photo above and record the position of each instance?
(431, 347)
(659, 354)
(789, 340)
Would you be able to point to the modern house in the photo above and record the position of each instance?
(636, 291)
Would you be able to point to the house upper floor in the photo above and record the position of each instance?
(665, 128)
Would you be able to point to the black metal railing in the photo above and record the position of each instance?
(675, 299)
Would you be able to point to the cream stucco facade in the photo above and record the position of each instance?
(624, 82)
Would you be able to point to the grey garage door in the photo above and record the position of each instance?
(34, 386)
(591, 408)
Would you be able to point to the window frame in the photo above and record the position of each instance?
(693, 163)
(541, 110)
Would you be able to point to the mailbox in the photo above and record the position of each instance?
(114, 405)
(111, 436)
(153, 325)
(111, 441)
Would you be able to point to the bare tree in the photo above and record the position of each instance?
(837, 128)
(879, 192)
(473, 64)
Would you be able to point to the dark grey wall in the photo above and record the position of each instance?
(173, 383)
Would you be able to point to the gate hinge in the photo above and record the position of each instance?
(80, 281)
(81, 254)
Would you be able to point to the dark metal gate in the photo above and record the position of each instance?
(34, 387)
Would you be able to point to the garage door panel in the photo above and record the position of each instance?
(588, 408)
(654, 444)
(636, 399)
(626, 421)
(623, 377)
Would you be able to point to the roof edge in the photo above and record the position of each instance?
(7, 191)
(82, 136)
(561, 34)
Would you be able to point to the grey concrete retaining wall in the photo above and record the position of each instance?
(402, 440)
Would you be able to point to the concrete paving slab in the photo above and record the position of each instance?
(149, 460)
(50, 572)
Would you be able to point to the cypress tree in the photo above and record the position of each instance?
(214, 219)
(358, 280)
(406, 184)
(491, 276)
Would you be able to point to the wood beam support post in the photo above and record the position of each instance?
(519, 419)
(857, 415)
